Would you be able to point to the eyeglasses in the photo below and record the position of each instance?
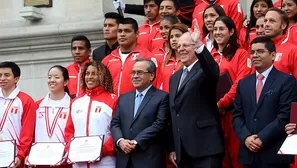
(258, 52)
(185, 45)
(138, 73)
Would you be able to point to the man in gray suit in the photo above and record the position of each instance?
(140, 121)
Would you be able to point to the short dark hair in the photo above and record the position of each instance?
(113, 15)
(13, 66)
(157, 2)
(171, 18)
(283, 15)
(65, 75)
(268, 43)
(130, 21)
(152, 66)
(175, 2)
(81, 38)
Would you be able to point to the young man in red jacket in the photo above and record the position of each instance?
(275, 24)
(81, 51)
(122, 59)
(232, 9)
(152, 24)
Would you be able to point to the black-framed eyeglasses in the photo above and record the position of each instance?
(258, 52)
(138, 73)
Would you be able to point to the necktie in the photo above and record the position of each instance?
(137, 102)
(259, 88)
(184, 75)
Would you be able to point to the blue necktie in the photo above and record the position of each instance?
(137, 102)
(184, 75)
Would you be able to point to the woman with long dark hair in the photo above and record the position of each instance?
(53, 110)
(290, 7)
(172, 62)
(258, 8)
(91, 113)
(235, 62)
(210, 14)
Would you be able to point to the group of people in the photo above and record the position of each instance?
(151, 90)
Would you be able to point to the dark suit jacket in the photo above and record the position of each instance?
(267, 119)
(195, 116)
(147, 128)
(101, 52)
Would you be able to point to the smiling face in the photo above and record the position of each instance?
(140, 76)
(260, 8)
(174, 37)
(260, 31)
(167, 7)
(210, 15)
(165, 26)
(55, 80)
(290, 7)
(7, 79)
(92, 77)
(261, 58)
(221, 33)
(186, 49)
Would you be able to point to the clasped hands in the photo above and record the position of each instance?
(253, 143)
(127, 145)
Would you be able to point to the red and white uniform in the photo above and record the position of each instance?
(169, 69)
(286, 56)
(146, 31)
(51, 119)
(156, 41)
(17, 120)
(242, 36)
(238, 67)
(232, 9)
(90, 115)
(160, 54)
(120, 71)
(74, 78)
(292, 34)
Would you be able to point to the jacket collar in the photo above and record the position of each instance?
(65, 102)
(280, 40)
(116, 53)
(12, 95)
(77, 65)
(95, 92)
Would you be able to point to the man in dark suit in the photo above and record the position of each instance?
(197, 139)
(262, 109)
(110, 29)
(140, 121)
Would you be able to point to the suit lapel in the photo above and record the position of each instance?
(253, 89)
(175, 81)
(131, 105)
(270, 79)
(189, 76)
(144, 102)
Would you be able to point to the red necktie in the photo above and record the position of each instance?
(259, 86)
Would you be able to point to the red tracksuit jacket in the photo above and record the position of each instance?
(232, 9)
(244, 44)
(238, 68)
(74, 78)
(169, 69)
(145, 33)
(121, 72)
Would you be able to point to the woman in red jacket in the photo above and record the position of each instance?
(258, 8)
(160, 44)
(210, 14)
(172, 62)
(236, 63)
(91, 113)
(290, 7)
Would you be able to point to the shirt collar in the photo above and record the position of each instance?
(12, 95)
(64, 102)
(144, 91)
(190, 66)
(266, 72)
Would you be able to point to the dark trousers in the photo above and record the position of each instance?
(213, 161)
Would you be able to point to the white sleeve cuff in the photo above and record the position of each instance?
(200, 49)
(118, 141)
